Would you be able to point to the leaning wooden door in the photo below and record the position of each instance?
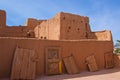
(109, 61)
(71, 65)
(24, 64)
(53, 60)
(91, 62)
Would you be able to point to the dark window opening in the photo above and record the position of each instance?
(41, 37)
(81, 21)
(69, 27)
(63, 18)
(45, 38)
(78, 29)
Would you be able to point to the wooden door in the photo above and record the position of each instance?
(109, 62)
(53, 60)
(91, 62)
(24, 64)
(70, 65)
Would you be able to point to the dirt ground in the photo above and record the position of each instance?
(107, 74)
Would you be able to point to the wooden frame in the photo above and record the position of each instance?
(109, 60)
(53, 60)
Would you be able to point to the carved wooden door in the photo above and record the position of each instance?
(53, 61)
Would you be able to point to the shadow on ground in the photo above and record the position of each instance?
(110, 72)
(106, 74)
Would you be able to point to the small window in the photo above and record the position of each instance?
(41, 37)
(45, 38)
(81, 21)
(63, 18)
(86, 35)
(78, 29)
(69, 27)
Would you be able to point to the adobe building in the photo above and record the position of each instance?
(70, 32)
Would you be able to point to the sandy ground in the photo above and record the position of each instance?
(108, 74)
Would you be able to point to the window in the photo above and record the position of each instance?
(41, 37)
(63, 18)
(78, 30)
(45, 38)
(69, 27)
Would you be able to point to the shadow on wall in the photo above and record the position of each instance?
(101, 35)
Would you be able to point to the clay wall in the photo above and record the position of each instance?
(32, 23)
(64, 26)
(2, 19)
(79, 49)
(74, 27)
(49, 29)
(14, 31)
(117, 60)
(101, 35)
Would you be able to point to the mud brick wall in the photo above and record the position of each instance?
(79, 49)
(49, 29)
(74, 27)
(2, 19)
(101, 35)
(31, 23)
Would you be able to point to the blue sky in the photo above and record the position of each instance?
(103, 14)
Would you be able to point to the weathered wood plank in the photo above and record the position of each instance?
(91, 62)
(15, 73)
(109, 62)
(24, 64)
(70, 65)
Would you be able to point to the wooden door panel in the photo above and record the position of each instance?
(23, 64)
(109, 62)
(52, 60)
(70, 65)
(91, 62)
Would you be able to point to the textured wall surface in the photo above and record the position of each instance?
(79, 49)
(70, 32)
(74, 27)
(2, 19)
(49, 29)
(101, 35)
(32, 23)
(63, 26)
